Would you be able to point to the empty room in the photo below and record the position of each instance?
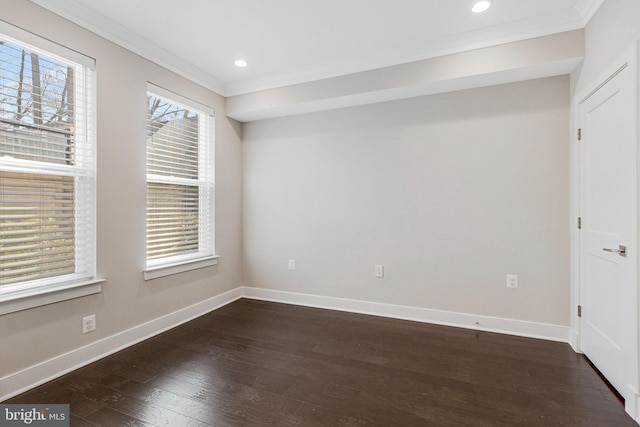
(305, 213)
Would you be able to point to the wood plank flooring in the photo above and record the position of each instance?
(254, 363)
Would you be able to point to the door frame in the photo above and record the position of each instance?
(631, 55)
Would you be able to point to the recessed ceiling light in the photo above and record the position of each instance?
(240, 63)
(481, 6)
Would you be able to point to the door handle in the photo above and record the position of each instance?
(622, 250)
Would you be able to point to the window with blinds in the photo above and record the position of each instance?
(179, 180)
(47, 168)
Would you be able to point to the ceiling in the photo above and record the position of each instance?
(294, 41)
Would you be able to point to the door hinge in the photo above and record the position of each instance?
(580, 134)
(579, 311)
(579, 223)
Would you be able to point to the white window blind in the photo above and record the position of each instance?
(180, 174)
(47, 167)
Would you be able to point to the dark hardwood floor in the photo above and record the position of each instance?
(254, 363)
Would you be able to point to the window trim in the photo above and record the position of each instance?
(42, 45)
(161, 267)
(22, 296)
(36, 297)
(154, 272)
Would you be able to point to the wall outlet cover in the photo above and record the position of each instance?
(88, 323)
(379, 271)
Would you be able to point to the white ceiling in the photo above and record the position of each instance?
(295, 41)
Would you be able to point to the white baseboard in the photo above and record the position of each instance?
(448, 318)
(574, 341)
(632, 403)
(33, 376)
(21, 381)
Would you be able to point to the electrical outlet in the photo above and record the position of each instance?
(379, 271)
(88, 324)
(292, 264)
(512, 280)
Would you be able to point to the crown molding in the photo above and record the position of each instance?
(487, 37)
(119, 35)
(588, 8)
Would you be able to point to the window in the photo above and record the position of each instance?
(47, 168)
(180, 187)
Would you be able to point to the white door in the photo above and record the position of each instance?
(608, 238)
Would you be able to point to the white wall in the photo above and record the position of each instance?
(449, 192)
(34, 336)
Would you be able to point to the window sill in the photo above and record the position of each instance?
(179, 267)
(44, 295)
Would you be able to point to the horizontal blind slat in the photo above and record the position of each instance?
(37, 230)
